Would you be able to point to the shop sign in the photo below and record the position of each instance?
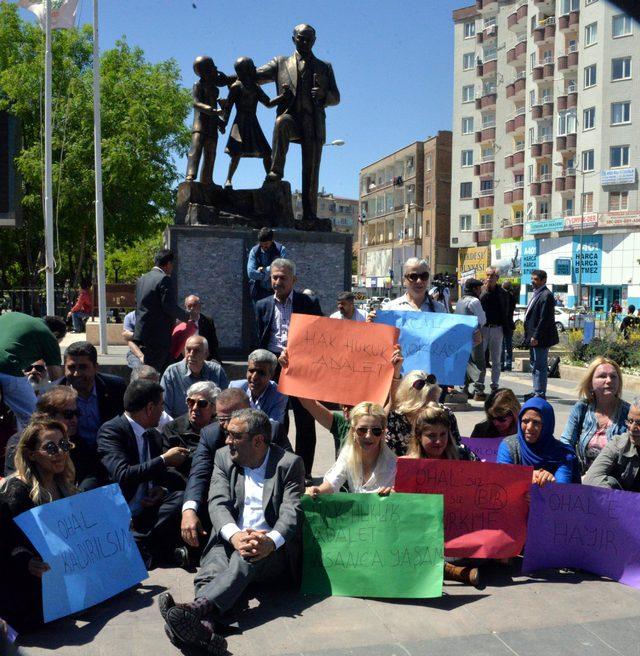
(590, 259)
(617, 176)
(624, 218)
(506, 255)
(473, 261)
(574, 222)
(549, 225)
(562, 267)
(530, 252)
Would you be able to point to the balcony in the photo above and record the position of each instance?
(516, 88)
(488, 67)
(515, 194)
(488, 99)
(547, 146)
(518, 157)
(516, 54)
(485, 5)
(543, 69)
(574, 19)
(572, 57)
(547, 106)
(486, 134)
(544, 31)
(566, 143)
(536, 109)
(485, 168)
(570, 181)
(484, 200)
(482, 236)
(561, 101)
(572, 96)
(560, 182)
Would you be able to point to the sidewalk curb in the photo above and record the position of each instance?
(571, 372)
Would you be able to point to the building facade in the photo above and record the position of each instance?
(343, 212)
(545, 154)
(404, 212)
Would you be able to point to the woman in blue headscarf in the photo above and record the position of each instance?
(535, 446)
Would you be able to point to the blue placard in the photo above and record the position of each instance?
(563, 267)
(437, 343)
(530, 252)
(591, 260)
(548, 225)
(87, 542)
(617, 176)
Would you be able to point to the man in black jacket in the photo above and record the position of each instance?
(130, 448)
(156, 312)
(540, 330)
(99, 395)
(274, 316)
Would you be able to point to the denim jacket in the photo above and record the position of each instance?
(579, 436)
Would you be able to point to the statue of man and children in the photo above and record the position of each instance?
(305, 85)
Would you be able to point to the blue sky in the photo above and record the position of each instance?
(392, 62)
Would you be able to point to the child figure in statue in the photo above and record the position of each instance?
(206, 119)
(246, 138)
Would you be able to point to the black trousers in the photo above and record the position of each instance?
(305, 428)
(156, 530)
(157, 357)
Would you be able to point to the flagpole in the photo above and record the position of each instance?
(97, 145)
(48, 187)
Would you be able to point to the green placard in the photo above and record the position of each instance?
(365, 545)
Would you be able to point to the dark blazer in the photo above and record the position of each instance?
(179, 432)
(211, 439)
(283, 487)
(301, 304)
(110, 392)
(284, 70)
(118, 451)
(207, 329)
(157, 309)
(540, 320)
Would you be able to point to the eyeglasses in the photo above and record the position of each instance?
(363, 430)
(235, 437)
(633, 422)
(414, 277)
(40, 368)
(201, 403)
(69, 414)
(419, 383)
(502, 418)
(52, 449)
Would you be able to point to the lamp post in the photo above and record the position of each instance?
(336, 142)
(581, 172)
(117, 265)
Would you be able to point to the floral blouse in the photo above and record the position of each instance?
(399, 430)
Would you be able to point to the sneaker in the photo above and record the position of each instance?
(479, 396)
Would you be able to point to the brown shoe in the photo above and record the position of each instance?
(468, 575)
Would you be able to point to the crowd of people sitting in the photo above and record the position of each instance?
(207, 467)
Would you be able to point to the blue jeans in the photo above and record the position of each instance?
(18, 394)
(507, 350)
(539, 356)
(77, 319)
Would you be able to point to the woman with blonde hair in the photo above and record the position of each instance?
(365, 462)
(600, 414)
(44, 473)
(502, 409)
(416, 390)
(432, 439)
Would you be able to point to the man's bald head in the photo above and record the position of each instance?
(196, 351)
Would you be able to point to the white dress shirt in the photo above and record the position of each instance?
(252, 513)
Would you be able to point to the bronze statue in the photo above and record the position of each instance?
(206, 119)
(300, 114)
(246, 138)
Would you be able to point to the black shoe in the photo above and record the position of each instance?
(165, 603)
(189, 630)
(528, 396)
(181, 557)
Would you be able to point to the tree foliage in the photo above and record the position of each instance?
(144, 108)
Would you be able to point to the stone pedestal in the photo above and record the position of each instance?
(211, 261)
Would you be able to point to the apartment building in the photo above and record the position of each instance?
(404, 212)
(343, 212)
(544, 150)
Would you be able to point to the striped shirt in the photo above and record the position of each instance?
(280, 324)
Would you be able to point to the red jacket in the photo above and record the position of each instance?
(84, 302)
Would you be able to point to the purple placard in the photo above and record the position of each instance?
(590, 528)
(486, 448)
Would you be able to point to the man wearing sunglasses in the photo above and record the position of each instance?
(38, 377)
(415, 273)
(262, 391)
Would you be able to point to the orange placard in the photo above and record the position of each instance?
(339, 361)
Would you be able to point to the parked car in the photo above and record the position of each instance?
(566, 318)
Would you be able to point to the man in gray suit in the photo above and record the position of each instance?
(156, 312)
(301, 115)
(254, 504)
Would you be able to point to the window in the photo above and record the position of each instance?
(468, 93)
(618, 201)
(587, 201)
(467, 158)
(621, 68)
(468, 60)
(469, 29)
(567, 6)
(590, 76)
(589, 118)
(532, 136)
(530, 173)
(566, 122)
(466, 189)
(619, 156)
(621, 26)
(427, 193)
(465, 222)
(588, 160)
(620, 112)
(486, 185)
(486, 221)
(427, 160)
(568, 206)
(544, 208)
(590, 34)
(467, 124)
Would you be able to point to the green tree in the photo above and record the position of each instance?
(144, 108)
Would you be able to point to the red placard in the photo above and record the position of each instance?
(485, 504)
